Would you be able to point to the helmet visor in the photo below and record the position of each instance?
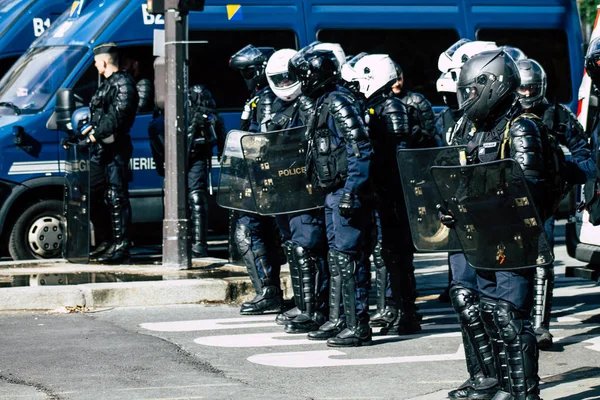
(282, 79)
(529, 91)
(452, 49)
(466, 96)
(248, 73)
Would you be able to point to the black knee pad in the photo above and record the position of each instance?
(465, 302)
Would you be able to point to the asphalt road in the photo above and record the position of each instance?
(211, 352)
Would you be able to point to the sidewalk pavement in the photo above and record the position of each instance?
(55, 284)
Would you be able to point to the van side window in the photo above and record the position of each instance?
(209, 63)
(87, 84)
(549, 47)
(415, 50)
(6, 63)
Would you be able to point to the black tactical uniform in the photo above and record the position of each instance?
(113, 109)
(205, 130)
(421, 111)
(145, 90)
(390, 129)
(500, 342)
(339, 163)
(256, 236)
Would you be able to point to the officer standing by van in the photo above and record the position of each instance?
(113, 109)
(256, 236)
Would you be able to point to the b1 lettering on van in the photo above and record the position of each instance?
(40, 25)
(150, 19)
(136, 164)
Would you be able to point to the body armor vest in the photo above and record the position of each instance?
(327, 160)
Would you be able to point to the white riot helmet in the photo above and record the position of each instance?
(373, 72)
(446, 83)
(460, 52)
(278, 76)
(533, 83)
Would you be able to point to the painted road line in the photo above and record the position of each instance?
(261, 321)
(323, 358)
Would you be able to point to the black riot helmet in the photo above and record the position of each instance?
(592, 61)
(487, 80)
(315, 69)
(251, 62)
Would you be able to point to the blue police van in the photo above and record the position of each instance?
(23, 21)
(413, 33)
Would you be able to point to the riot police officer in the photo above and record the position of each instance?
(389, 129)
(339, 162)
(486, 94)
(592, 67)
(113, 108)
(304, 232)
(256, 237)
(420, 109)
(206, 129)
(450, 63)
(563, 125)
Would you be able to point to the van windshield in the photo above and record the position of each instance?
(9, 11)
(34, 79)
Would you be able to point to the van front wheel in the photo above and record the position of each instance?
(38, 232)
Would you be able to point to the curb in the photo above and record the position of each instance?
(159, 285)
(130, 294)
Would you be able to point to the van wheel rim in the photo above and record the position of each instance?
(45, 236)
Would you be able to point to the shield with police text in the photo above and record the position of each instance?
(421, 196)
(277, 168)
(235, 191)
(76, 206)
(496, 220)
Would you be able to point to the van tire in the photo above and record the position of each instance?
(26, 242)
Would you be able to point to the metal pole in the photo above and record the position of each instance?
(176, 235)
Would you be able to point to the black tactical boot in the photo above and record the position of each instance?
(199, 218)
(357, 332)
(542, 294)
(402, 280)
(482, 383)
(386, 311)
(269, 300)
(309, 319)
(287, 316)
(101, 248)
(335, 324)
(118, 252)
(521, 352)
(385, 317)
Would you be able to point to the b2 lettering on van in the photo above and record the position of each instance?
(150, 19)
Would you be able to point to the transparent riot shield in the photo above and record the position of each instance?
(277, 170)
(235, 191)
(421, 196)
(77, 206)
(497, 222)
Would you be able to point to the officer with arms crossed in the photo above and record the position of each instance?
(256, 236)
(113, 108)
(339, 162)
(563, 125)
